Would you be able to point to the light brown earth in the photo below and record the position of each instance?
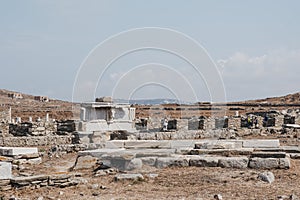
(62, 110)
(171, 183)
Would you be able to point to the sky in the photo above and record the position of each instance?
(59, 48)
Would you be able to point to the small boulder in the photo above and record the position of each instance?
(267, 177)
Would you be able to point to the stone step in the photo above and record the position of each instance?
(287, 149)
(269, 163)
(219, 144)
(261, 143)
(147, 144)
(222, 152)
(268, 154)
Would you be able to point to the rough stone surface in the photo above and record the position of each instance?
(264, 163)
(150, 161)
(284, 163)
(25, 181)
(201, 161)
(134, 164)
(147, 144)
(222, 152)
(5, 170)
(267, 177)
(218, 144)
(154, 152)
(35, 141)
(99, 152)
(269, 154)
(133, 177)
(295, 155)
(261, 143)
(234, 162)
(85, 162)
(172, 161)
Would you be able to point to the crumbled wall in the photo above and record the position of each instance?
(35, 141)
(42, 128)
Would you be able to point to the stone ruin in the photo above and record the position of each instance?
(109, 136)
(41, 98)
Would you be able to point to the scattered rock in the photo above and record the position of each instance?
(218, 197)
(134, 177)
(267, 177)
(294, 197)
(95, 194)
(93, 186)
(152, 175)
(85, 162)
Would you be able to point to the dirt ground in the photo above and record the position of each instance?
(171, 183)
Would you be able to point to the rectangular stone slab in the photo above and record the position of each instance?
(114, 144)
(5, 170)
(204, 161)
(261, 143)
(99, 152)
(177, 144)
(234, 162)
(153, 152)
(222, 152)
(287, 149)
(218, 144)
(14, 151)
(147, 144)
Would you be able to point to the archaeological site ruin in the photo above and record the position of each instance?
(135, 142)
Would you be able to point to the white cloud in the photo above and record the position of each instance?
(271, 74)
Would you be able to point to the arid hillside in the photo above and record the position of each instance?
(25, 106)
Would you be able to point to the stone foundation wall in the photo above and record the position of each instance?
(42, 128)
(155, 124)
(35, 141)
(33, 129)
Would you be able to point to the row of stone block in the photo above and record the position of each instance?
(198, 144)
(135, 159)
(224, 162)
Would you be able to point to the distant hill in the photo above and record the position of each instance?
(287, 99)
(151, 101)
(25, 106)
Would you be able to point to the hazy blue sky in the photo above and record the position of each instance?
(255, 43)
